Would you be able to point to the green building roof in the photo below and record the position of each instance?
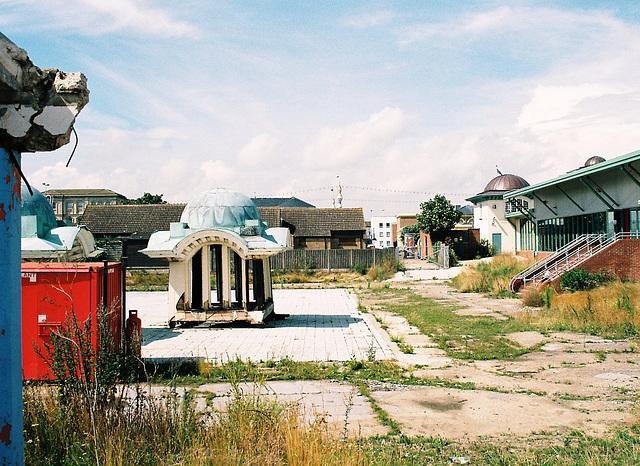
(577, 174)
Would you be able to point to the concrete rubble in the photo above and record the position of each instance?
(38, 107)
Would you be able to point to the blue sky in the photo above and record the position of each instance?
(405, 99)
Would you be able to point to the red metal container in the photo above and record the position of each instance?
(52, 291)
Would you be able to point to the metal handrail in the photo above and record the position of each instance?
(569, 256)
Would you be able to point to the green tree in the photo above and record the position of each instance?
(147, 198)
(415, 229)
(437, 216)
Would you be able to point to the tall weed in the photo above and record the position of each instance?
(491, 276)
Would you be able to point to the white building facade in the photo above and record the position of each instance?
(383, 231)
(501, 222)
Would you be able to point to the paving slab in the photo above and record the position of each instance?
(323, 325)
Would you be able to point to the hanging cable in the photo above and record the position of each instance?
(74, 147)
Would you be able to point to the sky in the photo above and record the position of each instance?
(397, 100)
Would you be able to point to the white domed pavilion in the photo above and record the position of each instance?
(42, 238)
(219, 267)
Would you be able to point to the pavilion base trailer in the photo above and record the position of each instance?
(52, 293)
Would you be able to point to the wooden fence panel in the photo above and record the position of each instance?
(330, 259)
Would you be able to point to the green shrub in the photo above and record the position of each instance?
(360, 268)
(581, 279)
(485, 249)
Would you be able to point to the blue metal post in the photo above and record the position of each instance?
(11, 437)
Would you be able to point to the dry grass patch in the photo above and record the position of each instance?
(611, 310)
(491, 276)
(170, 431)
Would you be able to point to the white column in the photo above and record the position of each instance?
(226, 277)
(266, 266)
(206, 276)
(245, 285)
(178, 280)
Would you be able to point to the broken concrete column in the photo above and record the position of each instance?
(37, 111)
(37, 107)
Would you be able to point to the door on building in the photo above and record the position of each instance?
(622, 221)
(496, 240)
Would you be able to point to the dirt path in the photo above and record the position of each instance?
(575, 381)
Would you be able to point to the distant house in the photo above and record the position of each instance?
(123, 230)
(384, 232)
(319, 228)
(280, 202)
(69, 204)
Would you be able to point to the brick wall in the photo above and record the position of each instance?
(621, 258)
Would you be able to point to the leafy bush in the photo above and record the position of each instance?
(581, 279)
(360, 268)
(385, 270)
(485, 249)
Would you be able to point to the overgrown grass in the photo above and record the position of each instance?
(338, 278)
(170, 430)
(621, 447)
(610, 311)
(386, 270)
(141, 280)
(462, 337)
(491, 276)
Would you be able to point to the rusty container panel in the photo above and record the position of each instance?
(52, 293)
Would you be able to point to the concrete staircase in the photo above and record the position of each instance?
(566, 258)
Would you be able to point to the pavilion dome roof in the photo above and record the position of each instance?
(38, 205)
(593, 160)
(219, 208)
(506, 182)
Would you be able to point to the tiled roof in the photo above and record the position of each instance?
(138, 220)
(280, 202)
(142, 220)
(314, 222)
(82, 192)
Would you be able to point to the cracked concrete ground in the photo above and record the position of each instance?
(574, 382)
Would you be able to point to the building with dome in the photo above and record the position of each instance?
(587, 218)
(599, 197)
(219, 260)
(503, 223)
(43, 240)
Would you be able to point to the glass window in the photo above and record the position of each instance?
(380, 224)
(388, 225)
(388, 234)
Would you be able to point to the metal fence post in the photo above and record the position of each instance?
(11, 437)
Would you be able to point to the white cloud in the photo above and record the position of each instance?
(552, 103)
(98, 17)
(358, 142)
(259, 152)
(489, 20)
(545, 25)
(58, 176)
(368, 20)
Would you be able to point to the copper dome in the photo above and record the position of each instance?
(506, 183)
(593, 160)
